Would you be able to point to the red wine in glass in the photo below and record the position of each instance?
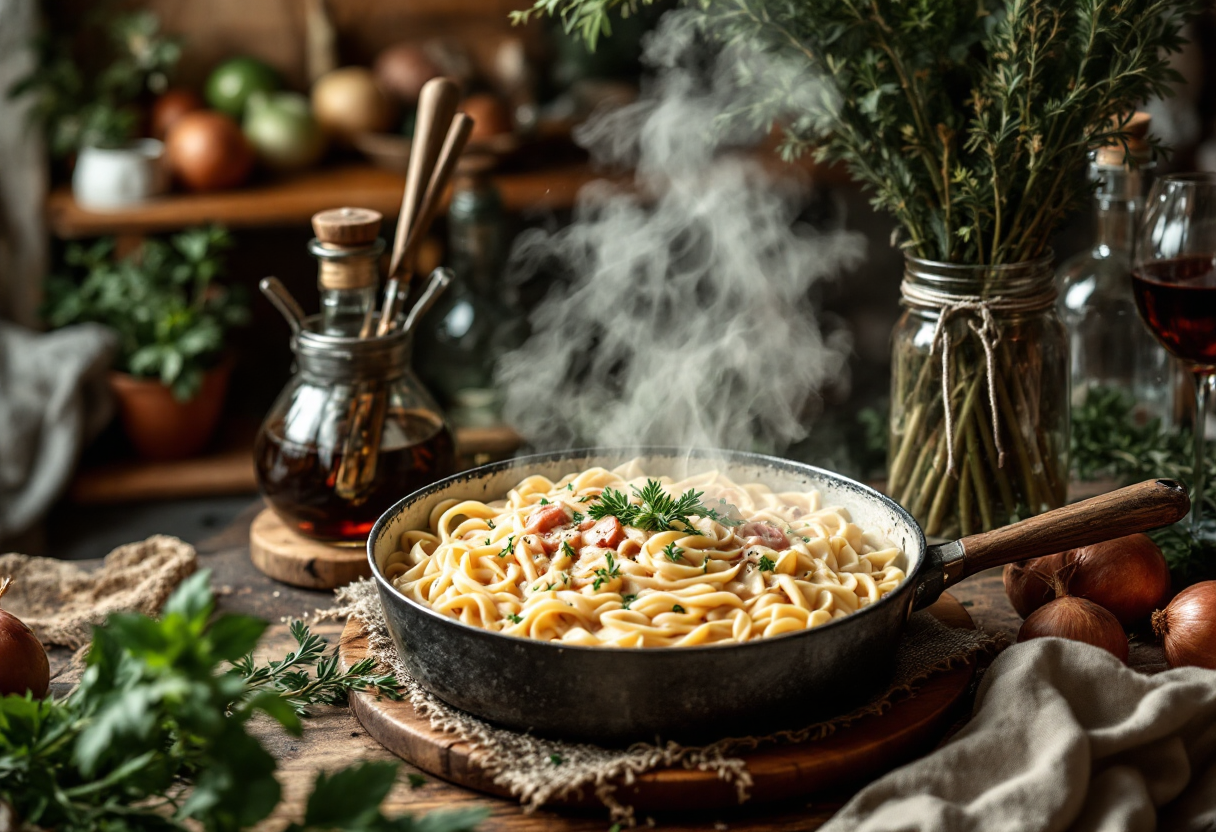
(1177, 299)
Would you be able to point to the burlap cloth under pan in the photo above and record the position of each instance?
(524, 764)
(62, 603)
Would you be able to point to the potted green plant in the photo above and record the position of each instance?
(90, 102)
(171, 377)
(971, 123)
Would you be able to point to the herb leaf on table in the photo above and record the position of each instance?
(155, 736)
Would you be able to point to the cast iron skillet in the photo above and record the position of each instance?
(613, 696)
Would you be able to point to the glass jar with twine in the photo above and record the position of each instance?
(979, 395)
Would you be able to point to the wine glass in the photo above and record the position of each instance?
(1174, 281)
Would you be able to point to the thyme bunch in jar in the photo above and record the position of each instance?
(971, 123)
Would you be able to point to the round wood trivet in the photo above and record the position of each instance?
(281, 553)
(847, 759)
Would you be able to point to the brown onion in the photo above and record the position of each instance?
(1079, 620)
(1187, 627)
(208, 152)
(170, 107)
(1127, 576)
(23, 663)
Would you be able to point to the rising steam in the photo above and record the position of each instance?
(688, 320)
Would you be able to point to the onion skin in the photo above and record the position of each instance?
(208, 152)
(1187, 627)
(1127, 576)
(23, 663)
(1077, 619)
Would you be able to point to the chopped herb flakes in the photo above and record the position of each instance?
(766, 564)
(490, 523)
(674, 553)
(513, 618)
(506, 550)
(626, 600)
(556, 759)
(577, 518)
(677, 608)
(543, 501)
(568, 550)
(569, 486)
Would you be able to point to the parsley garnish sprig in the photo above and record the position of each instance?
(604, 574)
(658, 511)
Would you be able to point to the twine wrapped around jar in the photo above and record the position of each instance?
(968, 329)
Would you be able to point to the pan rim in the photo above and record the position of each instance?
(911, 579)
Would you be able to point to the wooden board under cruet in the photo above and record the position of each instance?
(285, 555)
(841, 762)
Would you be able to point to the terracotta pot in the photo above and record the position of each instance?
(159, 426)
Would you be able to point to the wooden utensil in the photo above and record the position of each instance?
(453, 145)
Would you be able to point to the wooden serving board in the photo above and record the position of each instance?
(845, 760)
(283, 554)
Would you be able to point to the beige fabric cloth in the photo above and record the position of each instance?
(523, 763)
(62, 603)
(1064, 737)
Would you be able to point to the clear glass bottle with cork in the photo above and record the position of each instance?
(1110, 346)
(348, 248)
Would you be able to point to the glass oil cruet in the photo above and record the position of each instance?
(354, 431)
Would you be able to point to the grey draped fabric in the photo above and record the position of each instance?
(53, 400)
(1064, 737)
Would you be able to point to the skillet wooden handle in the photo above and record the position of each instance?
(1136, 508)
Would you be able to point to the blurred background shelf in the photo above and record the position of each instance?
(228, 469)
(292, 201)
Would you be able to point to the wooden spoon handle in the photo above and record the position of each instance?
(453, 146)
(436, 106)
(1136, 508)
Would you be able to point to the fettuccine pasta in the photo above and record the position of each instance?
(746, 563)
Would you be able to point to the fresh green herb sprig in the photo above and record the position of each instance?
(767, 564)
(508, 548)
(155, 736)
(657, 511)
(605, 574)
(628, 599)
(673, 552)
(306, 676)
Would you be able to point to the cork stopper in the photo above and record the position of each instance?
(1113, 155)
(347, 226)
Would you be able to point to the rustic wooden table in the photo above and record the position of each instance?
(333, 738)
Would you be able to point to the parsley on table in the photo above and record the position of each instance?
(673, 552)
(677, 608)
(658, 511)
(605, 573)
(506, 550)
(155, 736)
(767, 564)
(556, 759)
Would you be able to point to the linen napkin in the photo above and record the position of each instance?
(1064, 737)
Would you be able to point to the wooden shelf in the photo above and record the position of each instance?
(292, 201)
(229, 470)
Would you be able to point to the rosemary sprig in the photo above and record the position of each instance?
(306, 676)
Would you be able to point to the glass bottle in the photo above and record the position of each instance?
(348, 249)
(315, 466)
(1110, 346)
(1003, 453)
(477, 320)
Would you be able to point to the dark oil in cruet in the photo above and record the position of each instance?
(299, 481)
